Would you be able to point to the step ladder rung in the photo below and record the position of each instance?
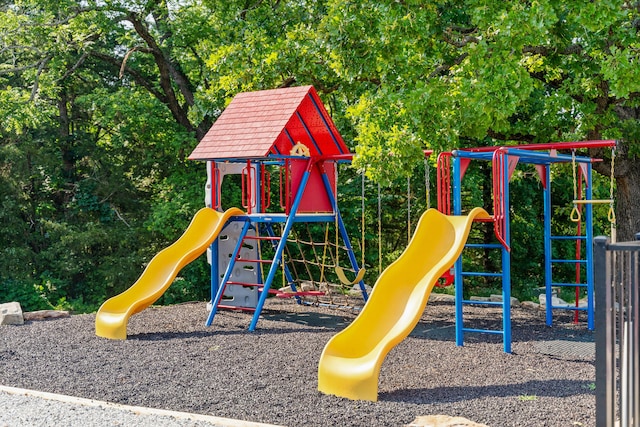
(481, 274)
(234, 307)
(568, 237)
(261, 261)
(484, 245)
(245, 284)
(281, 294)
(495, 303)
(570, 261)
(571, 285)
(248, 237)
(484, 331)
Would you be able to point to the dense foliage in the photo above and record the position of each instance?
(103, 100)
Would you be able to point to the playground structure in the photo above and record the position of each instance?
(282, 133)
(503, 162)
(281, 144)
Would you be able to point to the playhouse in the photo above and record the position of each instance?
(283, 135)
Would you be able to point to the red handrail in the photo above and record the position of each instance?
(499, 208)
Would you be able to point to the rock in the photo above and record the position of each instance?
(443, 421)
(435, 297)
(479, 299)
(45, 314)
(555, 301)
(530, 305)
(498, 298)
(355, 290)
(11, 314)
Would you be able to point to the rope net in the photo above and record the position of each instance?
(311, 258)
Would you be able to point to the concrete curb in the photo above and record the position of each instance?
(138, 410)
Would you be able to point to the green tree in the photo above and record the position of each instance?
(439, 73)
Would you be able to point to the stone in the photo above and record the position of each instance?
(11, 314)
(45, 314)
(479, 299)
(435, 297)
(355, 290)
(498, 298)
(555, 301)
(443, 421)
(530, 305)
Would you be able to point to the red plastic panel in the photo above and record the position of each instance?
(315, 198)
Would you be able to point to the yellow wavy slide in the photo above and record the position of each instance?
(114, 314)
(350, 362)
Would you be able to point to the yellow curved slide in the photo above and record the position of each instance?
(350, 363)
(113, 315)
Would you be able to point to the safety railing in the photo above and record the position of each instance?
(617, 268)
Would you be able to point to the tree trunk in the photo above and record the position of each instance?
(627, 197)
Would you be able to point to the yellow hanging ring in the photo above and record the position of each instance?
(612, 214)
(575, 214)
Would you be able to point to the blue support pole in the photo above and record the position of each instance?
(277, 258)
(548, 252)
(457, 210)
(589, 245)
(506, 263)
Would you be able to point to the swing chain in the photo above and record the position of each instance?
(575, 212)
(612, 213)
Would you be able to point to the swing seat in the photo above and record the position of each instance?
(343, 277)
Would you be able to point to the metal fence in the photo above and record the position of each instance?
(617, 317)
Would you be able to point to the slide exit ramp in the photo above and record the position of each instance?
(114, 314)
(350, 363)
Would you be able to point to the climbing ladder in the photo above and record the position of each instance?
(499, 219)
(581, 259)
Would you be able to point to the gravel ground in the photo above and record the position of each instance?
(172, 361)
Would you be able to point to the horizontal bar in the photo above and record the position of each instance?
(484, 331)
(568, 237)
(592, 201)
(569, 145)
(245, 284)
(234, 307)
(264, 261)
(468, 301)
(480, 274)
(484, 245)
(624, 246)
(533, 157)
(569, 307)
(569, 284)
(278, 218)
(570, 261)
(248, 237)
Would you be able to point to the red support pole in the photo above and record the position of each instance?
(444, 182)
(499, 220)
(576, 317)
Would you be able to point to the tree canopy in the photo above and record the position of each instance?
(102, 100)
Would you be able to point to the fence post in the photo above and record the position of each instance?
(605, 336)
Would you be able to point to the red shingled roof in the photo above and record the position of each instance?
(257, 124)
